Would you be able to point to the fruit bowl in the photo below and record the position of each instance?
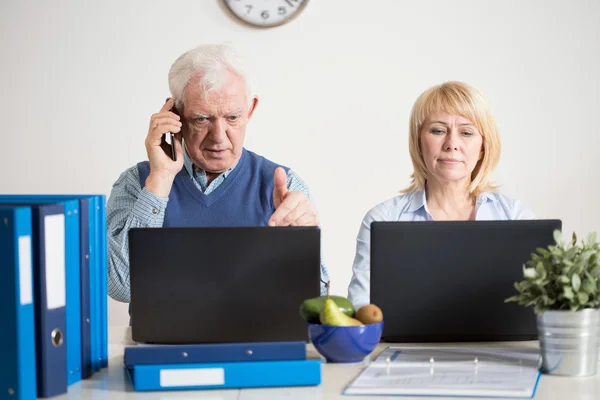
(345, 344)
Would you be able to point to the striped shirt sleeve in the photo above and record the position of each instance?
(129, 206)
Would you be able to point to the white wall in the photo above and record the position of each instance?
(79, 82)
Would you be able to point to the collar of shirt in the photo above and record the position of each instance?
(419, 200)
(198, 174)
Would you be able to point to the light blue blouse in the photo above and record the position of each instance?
(412, 206)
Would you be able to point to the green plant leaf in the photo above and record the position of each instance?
(543, 252)
(540, 270)
(529, 273)
(586, 255)
(590, 286)
(576, 282)
(570, 254)
(556, 252)
(583, 298)
(568, 292)
(562, 276)
(558, 237)
(568, 263)
(591, 239)
(531, 302)
(590, 282)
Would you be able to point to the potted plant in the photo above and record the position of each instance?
(562, 283)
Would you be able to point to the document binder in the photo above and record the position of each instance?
(101, 208)
(450, 372)
(95, 290)
(93, 275)
(73, 291)
(85, 228)
(72, 336)
(17, 336)
(232, 375)
(98, 289)
(212, 353)
(50, 299)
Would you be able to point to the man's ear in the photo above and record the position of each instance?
(253, 106)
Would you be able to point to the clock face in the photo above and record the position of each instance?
(266, 13)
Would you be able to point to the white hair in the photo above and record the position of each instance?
(210, 62)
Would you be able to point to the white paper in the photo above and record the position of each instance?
(450, 371)
(54, 237)
(192, 377)
(25, 270)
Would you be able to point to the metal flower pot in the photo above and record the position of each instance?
(569, 342)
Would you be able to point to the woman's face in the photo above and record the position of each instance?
(451, 146)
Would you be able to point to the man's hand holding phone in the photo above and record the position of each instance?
(162, 167)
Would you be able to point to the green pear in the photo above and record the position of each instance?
(332, 315)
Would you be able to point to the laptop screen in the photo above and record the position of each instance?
(222, 284)
(447, 281)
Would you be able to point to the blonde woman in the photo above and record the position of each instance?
(454, 145)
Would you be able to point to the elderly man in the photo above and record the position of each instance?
(214, 180)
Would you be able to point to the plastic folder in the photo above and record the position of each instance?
(226, 375)
(450, 372)
(212, 353)
(17, 336)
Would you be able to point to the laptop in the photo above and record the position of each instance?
(447, 281)
(222, 284)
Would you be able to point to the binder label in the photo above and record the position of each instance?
(25, 267)
(192, 377)
(55, 261)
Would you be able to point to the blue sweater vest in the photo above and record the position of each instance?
(244, 198)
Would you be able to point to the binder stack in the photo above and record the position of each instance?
(220, 366)
(53, 304)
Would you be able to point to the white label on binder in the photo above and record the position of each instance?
(55, 261)
(25, 266)
(192, 377)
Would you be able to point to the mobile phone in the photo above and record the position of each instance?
(167, 142)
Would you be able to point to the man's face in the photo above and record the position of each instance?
(214, 127)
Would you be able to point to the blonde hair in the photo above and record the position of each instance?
(466, 101)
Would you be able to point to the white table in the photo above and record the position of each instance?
(113, 383)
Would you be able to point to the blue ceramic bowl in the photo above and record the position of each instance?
(345, 344)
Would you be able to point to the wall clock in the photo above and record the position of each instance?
(265, 13)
